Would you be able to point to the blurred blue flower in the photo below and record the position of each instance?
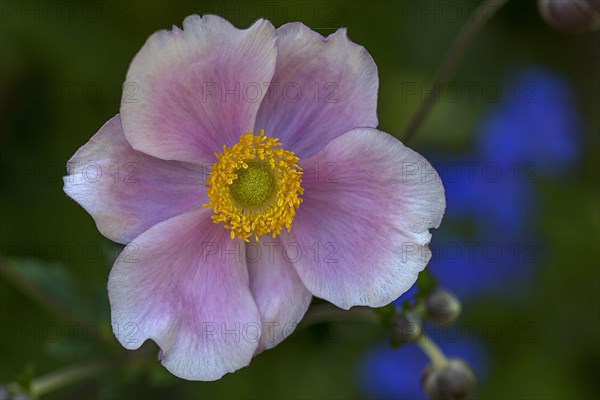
(489, 239)
(488, 265)
(385, 373)
(485, 240)
(537, 122)
(534, 132)
(490, 195)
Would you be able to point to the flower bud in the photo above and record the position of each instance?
(442, 308)
(453, 381)
(571, 16)
(406, 328)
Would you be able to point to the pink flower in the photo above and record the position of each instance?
(246, 175)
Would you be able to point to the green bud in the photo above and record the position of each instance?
(406, 328)
(442, 308)
(453, 381)
(572, 15)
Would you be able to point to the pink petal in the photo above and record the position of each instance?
(363, 228)
(175, 102)
(184, 284)
(279, 293)
(336, 82)
(127, 191)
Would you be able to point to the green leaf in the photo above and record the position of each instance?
(426, 283)
(406, 305)
(25, 378)
(50, 284)
(386, 315)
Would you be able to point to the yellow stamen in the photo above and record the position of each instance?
(255, 187)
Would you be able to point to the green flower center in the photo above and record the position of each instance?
(253, 185)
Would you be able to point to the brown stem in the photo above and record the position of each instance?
(482, 14)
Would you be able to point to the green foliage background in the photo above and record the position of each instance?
(49, 240)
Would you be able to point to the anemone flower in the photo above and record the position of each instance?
(245, 174)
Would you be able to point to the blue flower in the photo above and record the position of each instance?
(536, 122)
(489, 238)
(488, 194)
(485, 241)
(487, 265)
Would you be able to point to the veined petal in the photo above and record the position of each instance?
(279, 293)
(363, 227)
(184, 284)
(127, 191)
(322, 87)
(197, 89)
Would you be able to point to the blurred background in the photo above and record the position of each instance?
(514, 137)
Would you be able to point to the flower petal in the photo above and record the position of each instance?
(363, 227)
(183, 284)
(191, 91)
(127, 191)
(322, 87)
(279, 293)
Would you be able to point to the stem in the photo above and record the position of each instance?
(41, 297)
(74, 374)
(320, 313)
(435, 354)
(34, 292)
(419, 308)
(58, 379)
(482, 14)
